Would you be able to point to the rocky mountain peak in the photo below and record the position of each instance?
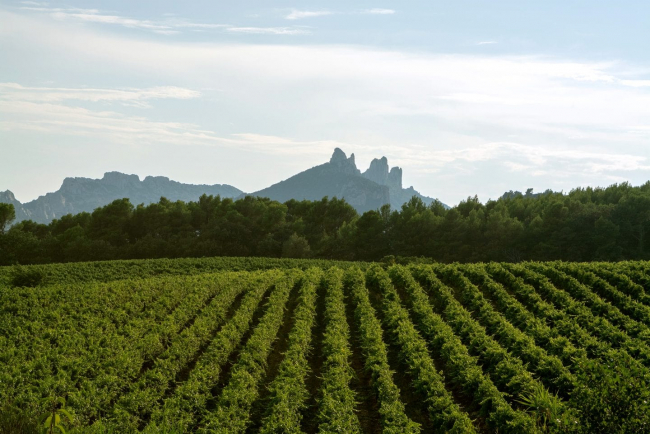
(344, 164)
(7, 197)
(395, 178)
(378, 172)
(118, 179)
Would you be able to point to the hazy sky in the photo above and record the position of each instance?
(469, 97)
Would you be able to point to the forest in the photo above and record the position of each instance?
(586, 224)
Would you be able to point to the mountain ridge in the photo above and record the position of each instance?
(78, 194)
(339, 177)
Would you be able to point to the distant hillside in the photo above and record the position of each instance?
(340, 178)
(84, 194)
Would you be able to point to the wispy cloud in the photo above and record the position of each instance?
(32, 3)
(298, 15)
(130, 96)
(268, 30)
(486, 42)
(518, 157)
(635, 83)
(378, 11)
(169, 26)
(76, 121)
(95, 17)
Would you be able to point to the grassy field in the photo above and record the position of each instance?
(243, 345)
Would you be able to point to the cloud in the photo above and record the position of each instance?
(378, 11)
(268, 30)
(486, 43)
(169, 26)
(130, 96)
(173, 25)
(517, 157)
(635, 83)
(298, 15)
(543, 163)
(439, 115)
(76, 121)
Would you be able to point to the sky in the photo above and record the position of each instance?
(468, 97)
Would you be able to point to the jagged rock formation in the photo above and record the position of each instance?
(84, 194)
(379, 173)
(340, 178)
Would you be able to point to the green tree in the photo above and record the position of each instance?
(7, 216)
(296, 247)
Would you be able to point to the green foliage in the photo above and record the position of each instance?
(296, 247)
(443, 411)
(288, 391)
(548, 411)
(608, 224)
(393, 416)
(15, 420)
(7, 216)
(190, 399)
(336, 403)
(26, 276)
(615, 396)
(56, 417)
(232, 412)
(464, 370)
(184, 346)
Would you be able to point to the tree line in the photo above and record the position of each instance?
(586, 224)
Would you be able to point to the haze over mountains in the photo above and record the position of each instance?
(339, 177)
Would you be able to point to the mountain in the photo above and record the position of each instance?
(340, 178)
(84, 194)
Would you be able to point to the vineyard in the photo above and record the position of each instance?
(273, 346)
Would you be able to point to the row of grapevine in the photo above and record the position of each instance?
(616, 276)
(566, 325)
(336, 403)
(288, 392)
(599, 306)
(598, 326)
(391, 409)
(93, 337)
(509, 348)
(507, 369)
(513, 311)
(135, 407)
(638, 275)
(142, 341)
(463, 369)
(109, 271)
(232, 411)
(443, 411)
(185, 406)
(624, 302)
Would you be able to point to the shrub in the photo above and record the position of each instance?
(615, 397)
(27, 276)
